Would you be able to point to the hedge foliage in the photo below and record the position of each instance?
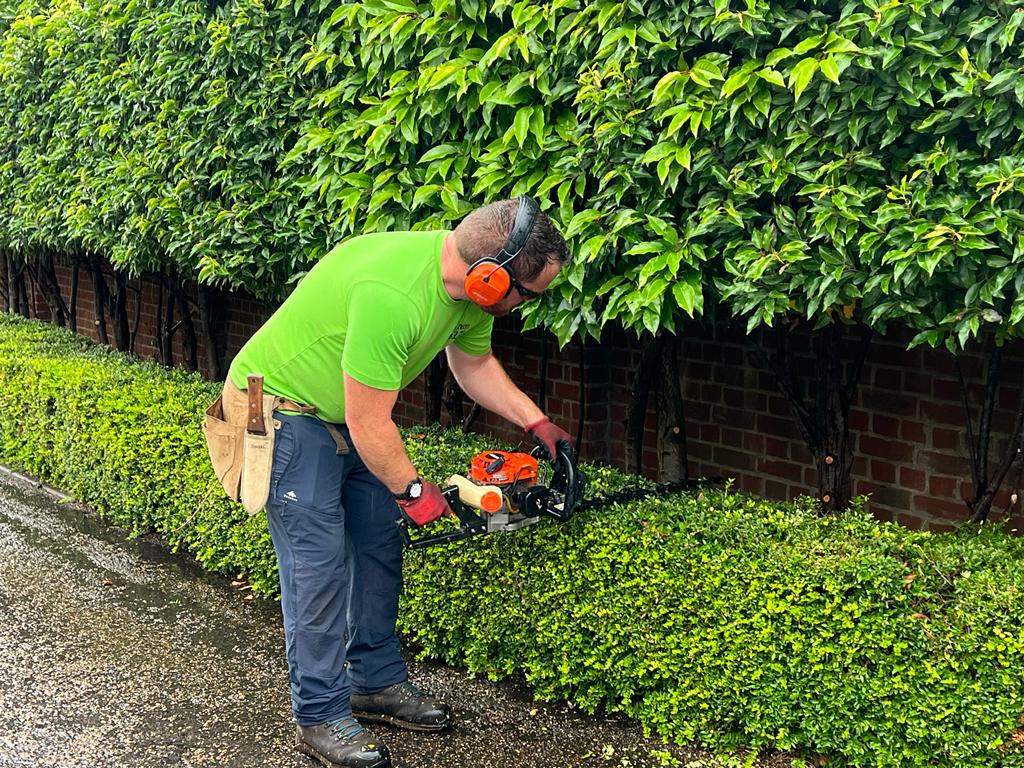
(717, 617)
(833, 161)
(123, 437)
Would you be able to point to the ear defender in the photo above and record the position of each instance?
(487, 280)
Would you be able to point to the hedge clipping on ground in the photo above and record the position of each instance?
(718, 617)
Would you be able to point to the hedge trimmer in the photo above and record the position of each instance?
(503, 492)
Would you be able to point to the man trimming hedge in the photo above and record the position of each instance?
(365, 322)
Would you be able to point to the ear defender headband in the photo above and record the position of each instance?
(487, 280)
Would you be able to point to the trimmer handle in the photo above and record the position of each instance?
(470, 523)
(559, 499)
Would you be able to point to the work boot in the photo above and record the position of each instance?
(342, 743)
(404, 705)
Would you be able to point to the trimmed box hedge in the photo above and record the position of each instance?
(716, 616)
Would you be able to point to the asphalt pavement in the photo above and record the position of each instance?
(115, 652)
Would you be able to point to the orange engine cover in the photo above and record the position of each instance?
(504, 468)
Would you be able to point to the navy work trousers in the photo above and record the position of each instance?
(339, 553)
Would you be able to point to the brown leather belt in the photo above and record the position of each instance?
(284, 404)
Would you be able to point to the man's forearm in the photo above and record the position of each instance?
(382, 450)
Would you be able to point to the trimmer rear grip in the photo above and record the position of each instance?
(470, 524)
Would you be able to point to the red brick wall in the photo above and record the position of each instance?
(907, 423)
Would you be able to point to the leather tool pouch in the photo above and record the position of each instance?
(241, 456)
(224, 441)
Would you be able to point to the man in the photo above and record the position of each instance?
(365, 322)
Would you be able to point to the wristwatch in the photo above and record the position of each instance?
(412, 491)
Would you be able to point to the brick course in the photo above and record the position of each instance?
(907, 421)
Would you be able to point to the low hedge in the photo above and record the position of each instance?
(718, 617)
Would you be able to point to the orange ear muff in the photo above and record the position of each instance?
(487, 282)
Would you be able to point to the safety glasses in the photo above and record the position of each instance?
(523, 291)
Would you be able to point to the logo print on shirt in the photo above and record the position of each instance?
(291, 496)
(458, 330)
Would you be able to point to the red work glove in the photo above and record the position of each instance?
(427, 508)
(548, 435)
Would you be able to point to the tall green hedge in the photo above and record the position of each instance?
(717, 616)
(855, 161)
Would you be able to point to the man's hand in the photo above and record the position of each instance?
(548, 435)
(427, 508)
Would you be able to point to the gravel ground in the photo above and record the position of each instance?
(114, 652)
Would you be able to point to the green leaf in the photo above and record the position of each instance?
(801, 76)
(435, 153)
(705, 71)
(830, 69)
(658, 151)
(687, 296)
(581, 220)
(735, 81)
(521, 124)
(661, 89)
(772, 76)
(779, 54)
(808, 44)
(682, 156)
(1003, 81)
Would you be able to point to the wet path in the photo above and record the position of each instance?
(115, 653)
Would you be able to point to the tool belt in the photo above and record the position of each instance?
(239, 427)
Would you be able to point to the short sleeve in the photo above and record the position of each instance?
(476, 340)
(380, 332)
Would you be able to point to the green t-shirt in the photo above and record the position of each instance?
(375, 308)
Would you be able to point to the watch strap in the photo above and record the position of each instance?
(407, 494)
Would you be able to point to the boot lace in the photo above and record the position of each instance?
(346, 729)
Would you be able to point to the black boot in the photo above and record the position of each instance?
(342, 743)
(404, 705)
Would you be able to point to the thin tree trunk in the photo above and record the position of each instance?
(11, 283)
(23, 304)
(542, 387)
(167, 326)
(672, 429)
(158, 330)
(474, 413)
(100, 300)
(5, 280)
(824, 424)
(454, 399)
(17, 289)
(188, 328)
(833, 457)
(58, 297)
(986, 486)
(434, 389)
(133, 337)
(650, 353)
(581, 423)
(211, 321)
(45, 277)
(73, 309)
(119, 312)
(31, 270)
(34, 306)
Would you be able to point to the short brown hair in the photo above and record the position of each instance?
(484, 231)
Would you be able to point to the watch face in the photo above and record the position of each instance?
(415, 489)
